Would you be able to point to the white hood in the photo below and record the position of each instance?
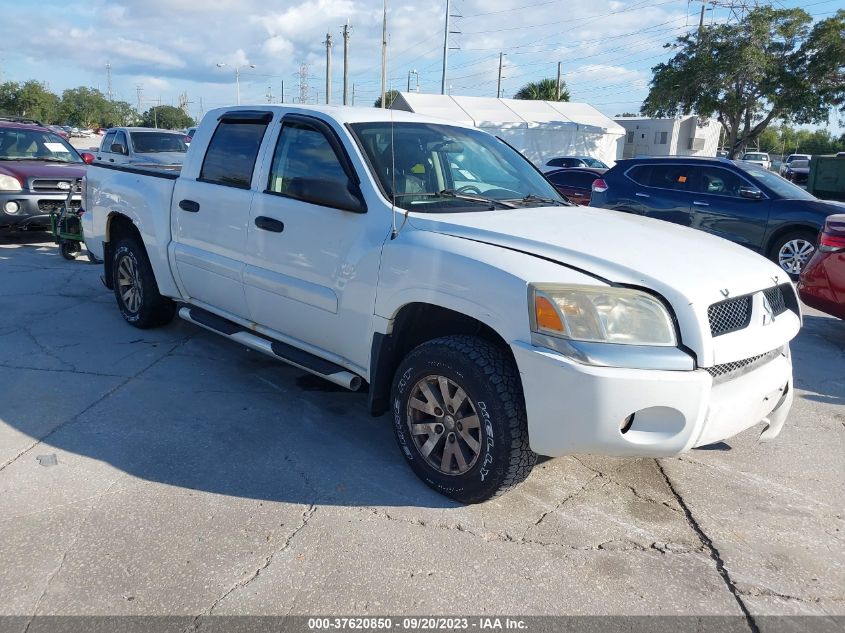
(684, 265)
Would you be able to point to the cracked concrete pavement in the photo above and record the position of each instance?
(194, 477)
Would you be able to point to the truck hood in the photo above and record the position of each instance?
(682, 264)
(24, 170)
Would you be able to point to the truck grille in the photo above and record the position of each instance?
(51, 185)
(728, 371)
(735, 314)
(776, 299)
(729, 316)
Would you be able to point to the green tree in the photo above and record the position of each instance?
(770, 66)
(389, 97)
(83, 106)
(120, 113)
(30, 99)
(543, 90)
(166, 117)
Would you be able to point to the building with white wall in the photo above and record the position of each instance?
(681, 136)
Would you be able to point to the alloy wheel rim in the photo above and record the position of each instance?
(444, 425)
(129, 285)
(794, 255)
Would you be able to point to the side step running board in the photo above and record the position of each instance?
(281, 351)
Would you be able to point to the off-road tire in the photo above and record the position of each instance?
(154, 310)
(491, 381)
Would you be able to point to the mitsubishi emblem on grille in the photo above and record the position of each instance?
(769, 316)
(64, 186)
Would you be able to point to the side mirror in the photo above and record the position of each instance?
(750, 193)
(87, 157)
(118, 148)
(328, 193)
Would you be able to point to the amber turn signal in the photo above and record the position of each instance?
(547, 316)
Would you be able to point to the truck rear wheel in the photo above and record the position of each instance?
(459, 418)
(135, 287)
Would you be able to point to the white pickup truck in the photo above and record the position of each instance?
(433, 264)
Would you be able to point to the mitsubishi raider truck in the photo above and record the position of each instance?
(433, 265)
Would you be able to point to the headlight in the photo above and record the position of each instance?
(601, 315)
(9, 183)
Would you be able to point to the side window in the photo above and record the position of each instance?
(107, 142)
(120, 137)
(629, 137)
(232, 152)
(304, 159)
(641, 174)
(676, 177)
(661, 138)
(717, 181)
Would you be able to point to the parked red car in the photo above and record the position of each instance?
(822, 283)
(576, 183)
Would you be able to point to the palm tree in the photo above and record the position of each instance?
(543, 90)
(389, 97)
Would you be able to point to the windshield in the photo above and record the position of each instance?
(755, 157)
(800, 164)
(150, 142)
(780, 186)
(35, 144)
(437, 168)
(594, 162)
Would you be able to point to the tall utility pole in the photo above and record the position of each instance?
(416, 76)
(384, 57)
(303, 83)
(283, 91)
(346, 29)
(445, 50)
(269, 94)
(108, 75)
(499, 82)
(557, 85)
(328, 44)
(139, 89)
(353, 94)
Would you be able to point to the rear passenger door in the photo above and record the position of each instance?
(210, 213)
(662, 191)
(718, 206)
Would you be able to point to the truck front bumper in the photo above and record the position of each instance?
(578, 408)
(24, 210)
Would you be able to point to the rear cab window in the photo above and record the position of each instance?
(233, 150)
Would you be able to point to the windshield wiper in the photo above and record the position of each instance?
(451, 193)
(532, 198)
(43, 159)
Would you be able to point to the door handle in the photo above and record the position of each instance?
(269, 224)
(189, 206)
(698, 203)
(642, 195)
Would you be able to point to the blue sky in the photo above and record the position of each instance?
(170, 47)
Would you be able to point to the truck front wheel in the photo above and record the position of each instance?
(135, 287)
(459, 418)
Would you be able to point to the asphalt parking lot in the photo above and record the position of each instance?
(171, 472)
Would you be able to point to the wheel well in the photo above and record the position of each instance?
(785, 230)
(118, 227)
(413, 325)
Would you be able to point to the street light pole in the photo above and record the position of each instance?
(237, 77)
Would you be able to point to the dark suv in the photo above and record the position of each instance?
(37, 167)
(738, 201)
